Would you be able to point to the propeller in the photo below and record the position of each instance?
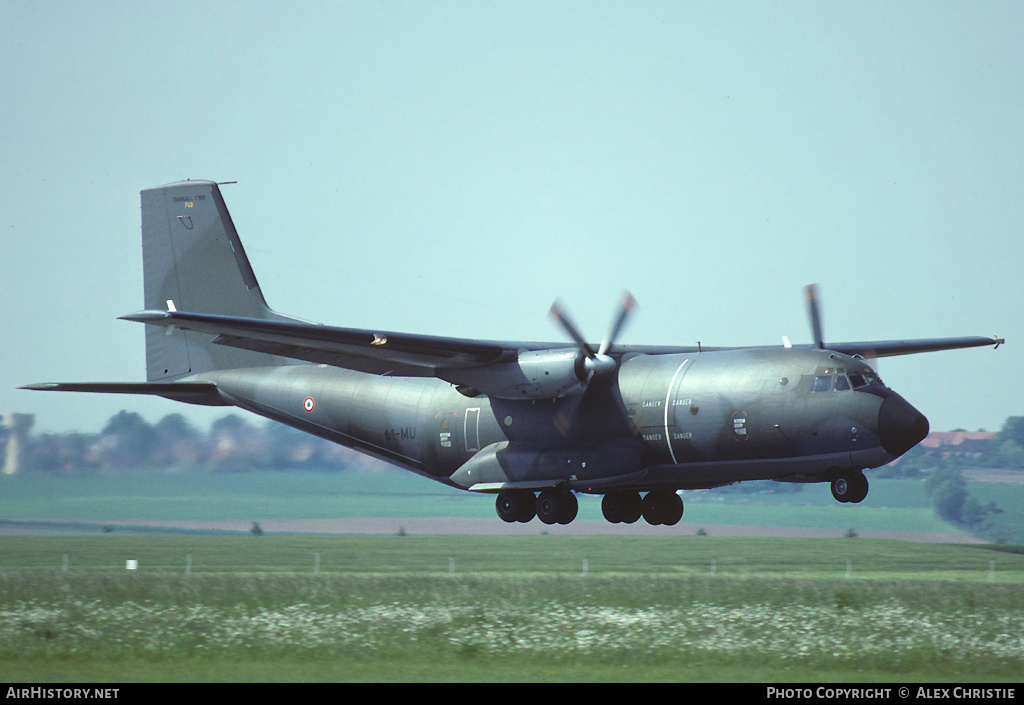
(598, 362)
(811, 291)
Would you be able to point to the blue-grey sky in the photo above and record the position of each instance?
(453, 167)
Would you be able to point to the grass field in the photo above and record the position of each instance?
(522, 608)
(537, 607)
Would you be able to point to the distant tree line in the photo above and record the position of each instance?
(943, 466)
(1004, 450)
(129, 443)
(233, 444)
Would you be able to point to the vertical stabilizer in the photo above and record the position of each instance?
(193, 261)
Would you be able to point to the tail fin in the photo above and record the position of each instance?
(193, 261)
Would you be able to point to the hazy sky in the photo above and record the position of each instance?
(453, 167)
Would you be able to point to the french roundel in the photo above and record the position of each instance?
(309, 404)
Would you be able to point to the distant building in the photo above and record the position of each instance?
(17, 426)
(966, 443)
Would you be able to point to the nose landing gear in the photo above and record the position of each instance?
(851, 487)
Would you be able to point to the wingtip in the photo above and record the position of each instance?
(145, 316)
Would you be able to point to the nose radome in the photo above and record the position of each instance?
(900, 425)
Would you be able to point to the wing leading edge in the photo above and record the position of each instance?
(890, 348)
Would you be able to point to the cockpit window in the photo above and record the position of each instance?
(840, 380)
(866, 378)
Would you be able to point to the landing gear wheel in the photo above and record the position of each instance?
(556, 506)
(850, 488)
(612, 505)
(662, 507)
(621, 507)
(860, 488)
(570, 507)
(515, 505)
(841, 489)
(632, 508)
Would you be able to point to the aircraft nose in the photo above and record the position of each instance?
(900, 425)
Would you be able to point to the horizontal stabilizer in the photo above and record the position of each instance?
(192, 392)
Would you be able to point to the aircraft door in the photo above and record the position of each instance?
(472, 429)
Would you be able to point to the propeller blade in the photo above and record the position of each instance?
(596, 362)
(812, 308)
(559, 314)
(871, 359)
(627, 308)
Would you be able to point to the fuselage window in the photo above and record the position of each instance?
(822, 383)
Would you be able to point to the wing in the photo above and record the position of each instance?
(406, 354)
(890, 348)
(375, 351)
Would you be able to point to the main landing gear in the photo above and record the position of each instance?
(558, 506)
(552, 506)
(657, 507)
(851, 487)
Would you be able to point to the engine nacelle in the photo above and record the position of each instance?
(534, 374)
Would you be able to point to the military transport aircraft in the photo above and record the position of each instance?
(533, 423)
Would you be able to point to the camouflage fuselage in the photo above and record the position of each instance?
(675, 421)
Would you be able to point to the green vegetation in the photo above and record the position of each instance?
(508, 608)
(128, 449)
(258, 605)
(123, 503)
(527, 555)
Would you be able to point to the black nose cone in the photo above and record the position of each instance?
(900, 426)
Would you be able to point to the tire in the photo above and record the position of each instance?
(570, 507)
(622, 506)
(860, 488)
(549, 506)
(613, 506)
(673, 510)
(662, 507)
(515, 505)
(632, 507)
(850, 488)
